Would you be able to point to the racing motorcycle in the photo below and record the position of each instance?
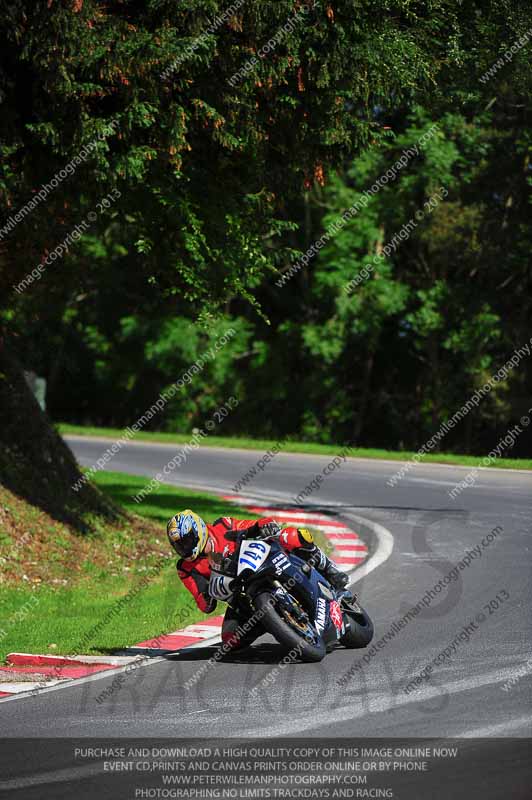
(289, 598)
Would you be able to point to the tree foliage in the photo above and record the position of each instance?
(217, 182)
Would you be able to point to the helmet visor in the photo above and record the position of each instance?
(185, 546)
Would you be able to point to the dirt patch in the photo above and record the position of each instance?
(36, 548)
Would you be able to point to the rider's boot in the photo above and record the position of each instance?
(314, 555)
(329, 570)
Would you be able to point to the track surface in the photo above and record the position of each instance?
(432, 533)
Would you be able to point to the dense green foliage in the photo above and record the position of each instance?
(446, 309)
(219, 187)
(205, 169)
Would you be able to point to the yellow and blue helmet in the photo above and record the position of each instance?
(187, 533)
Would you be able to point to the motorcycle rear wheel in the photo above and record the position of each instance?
(286, 634)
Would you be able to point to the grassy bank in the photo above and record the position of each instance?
(298, 447)
(57, 585)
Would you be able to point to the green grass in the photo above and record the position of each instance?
(40, 619)
(44, 620)
(60, 622)
(297, 447)
(165, 501)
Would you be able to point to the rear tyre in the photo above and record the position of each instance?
(286, 634)
(359, 631)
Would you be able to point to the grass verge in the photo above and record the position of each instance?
(74, 582)
(61, 591)
(297, 447)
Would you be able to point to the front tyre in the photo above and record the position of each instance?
(359, 627)
(289, 632)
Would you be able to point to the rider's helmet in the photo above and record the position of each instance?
(187, 533)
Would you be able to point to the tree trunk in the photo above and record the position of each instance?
(434, 356)
(35, 462)
(364, 392)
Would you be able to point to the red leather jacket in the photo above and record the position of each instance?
(196, 574)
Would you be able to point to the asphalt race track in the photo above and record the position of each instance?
(466, 695)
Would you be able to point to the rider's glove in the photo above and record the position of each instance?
(221, 584)
(268, 529)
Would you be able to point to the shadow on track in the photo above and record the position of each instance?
(258, 653)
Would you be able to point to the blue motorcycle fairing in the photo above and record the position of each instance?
(311, 588)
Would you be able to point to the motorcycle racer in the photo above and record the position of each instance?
(194, 541)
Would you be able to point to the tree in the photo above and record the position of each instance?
(188, 132)
(429, 324)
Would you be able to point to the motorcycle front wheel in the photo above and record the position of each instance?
(297, 636)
